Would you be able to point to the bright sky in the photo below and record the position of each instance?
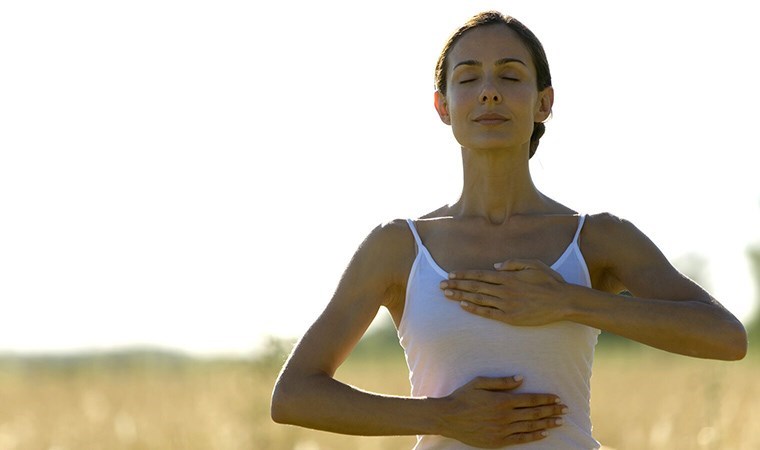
(196, 175)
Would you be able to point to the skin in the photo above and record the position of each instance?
(501, 217)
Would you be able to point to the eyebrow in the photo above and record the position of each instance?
(501, 62)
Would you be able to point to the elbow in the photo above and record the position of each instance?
(735, 343)
(276, 409)
(740, 344)
(290, 399)
(736, 353)
(280, 407)
(281, 403)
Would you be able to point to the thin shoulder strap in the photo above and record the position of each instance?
(414, 232)
(581, 220)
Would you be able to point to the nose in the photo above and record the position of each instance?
(490, 95)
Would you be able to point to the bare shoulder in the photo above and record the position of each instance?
(390, 238)
(605, 236)
(620, 256)
(610, 233)
(388, 251)
(608, 219)
(605, 227)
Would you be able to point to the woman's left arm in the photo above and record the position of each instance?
(667, 311)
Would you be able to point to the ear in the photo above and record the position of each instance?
(442, 107)
(544, 104)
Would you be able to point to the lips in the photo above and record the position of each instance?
(490, 118)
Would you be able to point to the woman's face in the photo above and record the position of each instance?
(492, 100)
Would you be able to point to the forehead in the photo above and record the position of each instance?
(489, 43)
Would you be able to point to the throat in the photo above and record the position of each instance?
(497, 208)
(497, 216)
(498, 193)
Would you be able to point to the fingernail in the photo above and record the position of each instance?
(518, 377)
(452, 275)
(544, 433)
(497, 266)
(464, 304)
(557, 400)
(444, 284)
(448, 292)
(558, 421)
(565, 411)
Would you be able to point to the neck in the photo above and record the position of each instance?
(497, 185)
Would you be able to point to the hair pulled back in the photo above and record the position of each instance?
(543, 75)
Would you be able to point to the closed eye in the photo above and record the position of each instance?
(467, 81)
(510, 78)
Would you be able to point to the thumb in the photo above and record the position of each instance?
(515, 264)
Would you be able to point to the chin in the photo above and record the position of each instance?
(494, 142)
(497, 145)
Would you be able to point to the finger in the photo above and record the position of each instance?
(469, 297)
(521, 438)
(540, 412)
(483, 311)
(528, 426)
(519, 264)
(470, 286)
(515, 265)
(533, 400)
(488, 276)
(497, 383)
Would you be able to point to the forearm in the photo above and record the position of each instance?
(321, 402)
(690, 327)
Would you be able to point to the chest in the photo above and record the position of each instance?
(458, 248)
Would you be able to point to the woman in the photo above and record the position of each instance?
(498, 298)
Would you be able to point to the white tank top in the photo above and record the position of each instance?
(446, 347)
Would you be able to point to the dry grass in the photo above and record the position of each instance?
(641, 400)
(661, 401)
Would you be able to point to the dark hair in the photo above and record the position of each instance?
(543, 75)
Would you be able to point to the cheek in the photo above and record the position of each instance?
(528, 96)
(457, 111)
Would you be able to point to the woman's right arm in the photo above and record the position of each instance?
(483, 412)
(306, 393)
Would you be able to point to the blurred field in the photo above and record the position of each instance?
(642, 399)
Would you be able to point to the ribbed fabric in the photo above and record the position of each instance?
(446, 347)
